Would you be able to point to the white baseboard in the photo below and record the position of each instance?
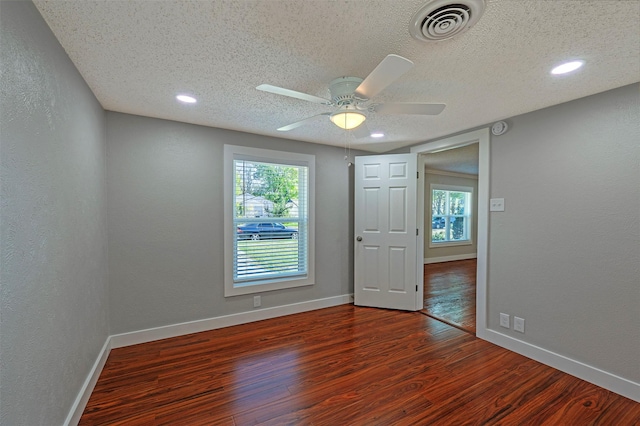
(598, 377)
(593, 375)
(143, 336)
(157, 333)
(441, 259)
(73, 418)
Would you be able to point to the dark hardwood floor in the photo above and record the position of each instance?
(344, 365)
(450, 293)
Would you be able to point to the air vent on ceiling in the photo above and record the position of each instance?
(443, 19)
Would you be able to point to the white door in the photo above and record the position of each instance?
(385, 231)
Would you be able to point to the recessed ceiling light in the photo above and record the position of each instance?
(377, 135)
(186, 99)
(567, 67)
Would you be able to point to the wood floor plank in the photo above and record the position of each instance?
(450, 293)
(344, 365)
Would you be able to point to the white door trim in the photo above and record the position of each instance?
(482, 138)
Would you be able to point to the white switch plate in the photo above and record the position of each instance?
(518, 324)
(256, 301)
(504, 320)
(496, 205)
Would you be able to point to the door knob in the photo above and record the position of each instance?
(359, 238)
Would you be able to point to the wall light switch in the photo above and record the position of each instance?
(496, 205)
(257, 301)
(504, 320)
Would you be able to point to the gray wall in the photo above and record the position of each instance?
(165, 222)
(53, 296)
(565, 255)
(433, 252)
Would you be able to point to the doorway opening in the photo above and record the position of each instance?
(451, 216)
(454, 279)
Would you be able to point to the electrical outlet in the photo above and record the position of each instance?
(518, 324)
(504, 320)
(496, 205)
(257, 301)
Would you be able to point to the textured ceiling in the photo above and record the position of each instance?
(458, 160)
(137, 55)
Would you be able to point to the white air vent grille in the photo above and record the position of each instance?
(443, 19)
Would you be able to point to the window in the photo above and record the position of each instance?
(269, 225)
(450, 215)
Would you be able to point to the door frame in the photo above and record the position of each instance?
(483, 139)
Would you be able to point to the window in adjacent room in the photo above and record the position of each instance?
(269, 227)
(450, 215)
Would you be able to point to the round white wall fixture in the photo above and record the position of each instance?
(499, 128)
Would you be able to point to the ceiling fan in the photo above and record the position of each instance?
(350, 97)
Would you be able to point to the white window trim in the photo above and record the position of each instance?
(232, 152)
(442, 187)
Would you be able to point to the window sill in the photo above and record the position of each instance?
(450, 244)
(252, 287)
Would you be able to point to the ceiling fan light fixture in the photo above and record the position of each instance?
(347, 119)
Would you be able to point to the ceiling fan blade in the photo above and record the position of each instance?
(362, 131)
(293, 94)
(409, 108)
(389, 70)
(301, 122)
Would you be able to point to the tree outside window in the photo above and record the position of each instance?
(450, 214)
(269, 235)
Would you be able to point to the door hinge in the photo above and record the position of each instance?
(417, 175)
(417, 231)
(416, 287)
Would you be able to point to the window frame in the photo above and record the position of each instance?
(468, 217)
(235, 152)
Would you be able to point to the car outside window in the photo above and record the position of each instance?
(450, 215)
(276, 253)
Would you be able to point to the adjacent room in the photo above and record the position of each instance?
(450, 265)
(317, 212)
